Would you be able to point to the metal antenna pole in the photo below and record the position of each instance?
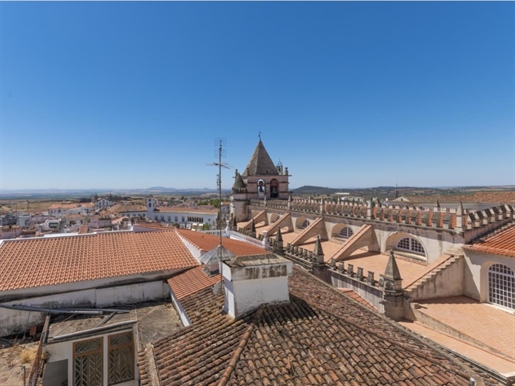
(220, 164)
(220, 188)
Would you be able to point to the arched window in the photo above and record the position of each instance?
(501, 286)
(274, 188)
(411, 245)
(346, 232)
(305, 224)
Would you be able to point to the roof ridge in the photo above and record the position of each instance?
(237, 353)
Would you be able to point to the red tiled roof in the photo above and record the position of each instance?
(119, 208)
(185, 209)
(486, 197)
(47, 261)
(320, 338)
(500, 244)
(191, 281)
(207, 242)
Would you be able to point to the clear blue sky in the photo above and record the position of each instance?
(132, 95)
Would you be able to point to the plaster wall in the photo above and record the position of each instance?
(476, 272)
(89, 284)
(135, 293)
(248, 287)
(448, 282)
(180, 310)
(194, 250)
(248, 295)
(240, 237)
(373, 295)
(12, 321)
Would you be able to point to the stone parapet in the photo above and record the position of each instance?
(456, 220)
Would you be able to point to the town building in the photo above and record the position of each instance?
(103, 203)
(58, 210)
(181, 216)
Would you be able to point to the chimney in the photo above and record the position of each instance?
(251, 281)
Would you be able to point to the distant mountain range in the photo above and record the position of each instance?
(59, 193)
(393, 191)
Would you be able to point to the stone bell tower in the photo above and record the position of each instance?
(261, 179)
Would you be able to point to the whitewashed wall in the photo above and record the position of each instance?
(476, 272)
(250, 286)
(12, 321)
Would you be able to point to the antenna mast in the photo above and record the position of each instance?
(220, 164)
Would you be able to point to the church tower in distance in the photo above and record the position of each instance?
(261, 180)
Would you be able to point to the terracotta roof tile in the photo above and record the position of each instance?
(499, 244)
(207, 242)
(185, 209)
(191, 281)
(486, 197)
(119, 208)
(321, 337)
(48, 261)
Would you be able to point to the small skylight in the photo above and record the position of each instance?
(213, 258)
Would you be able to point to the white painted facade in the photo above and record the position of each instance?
(249, 282)
(17, 320)
(187, 218)
(476, 274)
(103, 203)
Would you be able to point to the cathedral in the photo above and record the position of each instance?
(400, 259)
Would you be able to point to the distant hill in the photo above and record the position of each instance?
(316, 190)
(393, 191)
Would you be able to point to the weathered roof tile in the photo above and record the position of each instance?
(29, 263)
(318, 338)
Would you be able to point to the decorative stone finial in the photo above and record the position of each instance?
(392, 270)
(318, 247)
(279, 236)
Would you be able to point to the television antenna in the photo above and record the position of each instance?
(221, 144)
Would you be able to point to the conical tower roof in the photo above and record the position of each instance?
(239, 184)
(260, 163)
(392, 270)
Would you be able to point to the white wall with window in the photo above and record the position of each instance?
(490, 278)
(101, 360)
(406, 245)
(185, 219)
(412, 245)
(501, 286)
